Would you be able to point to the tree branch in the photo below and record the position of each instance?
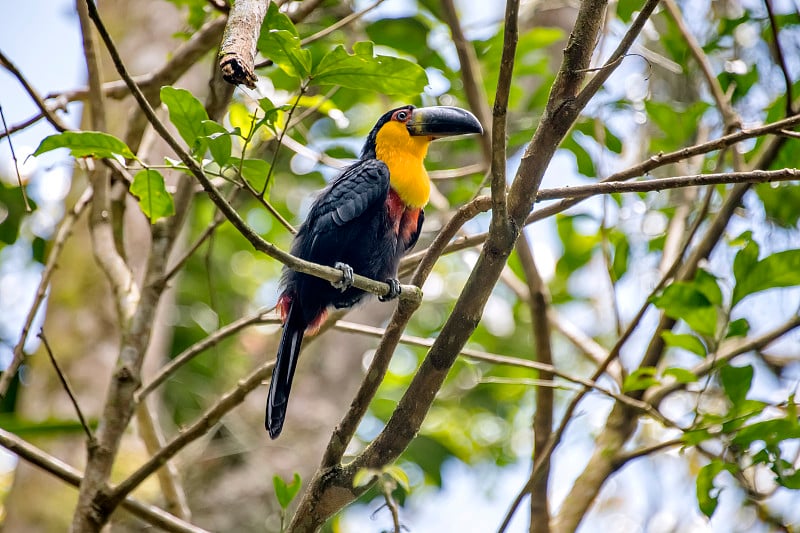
(539, 303)
(149, 513)
(189, 353)
(238, 50)
(187, 435)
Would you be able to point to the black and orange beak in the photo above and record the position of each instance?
(442, 121)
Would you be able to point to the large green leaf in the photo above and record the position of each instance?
(185, 112)
(284, 49)
(366, 71)
(154, 199)
(684, 300)
(86, 144)
(781, 269)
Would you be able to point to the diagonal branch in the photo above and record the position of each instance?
(149, 513)
(189, 434)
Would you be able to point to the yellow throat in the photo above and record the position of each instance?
(404, 155)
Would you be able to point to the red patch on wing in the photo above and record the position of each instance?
(396, 208)
(405, 219)
(408, 225)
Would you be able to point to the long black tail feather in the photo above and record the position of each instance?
(282, 374)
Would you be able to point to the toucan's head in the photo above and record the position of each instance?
(414, 128)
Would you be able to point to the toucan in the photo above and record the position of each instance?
(367, 218)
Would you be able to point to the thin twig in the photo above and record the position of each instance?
(189, 353)
(661, 184)
(67, 388)
(16, 163)
(52, 118)
(787, 79)
(64, 231)
(22, 125)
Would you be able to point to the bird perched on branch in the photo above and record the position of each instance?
(363, 222)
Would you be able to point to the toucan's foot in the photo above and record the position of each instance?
(347, 277)
(394, 290)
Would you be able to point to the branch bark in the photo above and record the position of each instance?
(238, 50)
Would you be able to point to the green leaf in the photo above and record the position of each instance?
(640, 379)
(736, 381)
(695, 437)
(366, 71)
(707, 493)
(780, 269)
(86, 144)
(676, 123)
(706, 283)
(683, 300)
(154, 200)
(622, 252)
(217, 140)
(781, 202)
(255, 171)
(583, 160)
(746, 258)
(284, 49)
(286, 492)
(685, 341)
(626, 8)
(771, 432)
(738, 328)
(275, 20)
(185, 112)
(681, 375)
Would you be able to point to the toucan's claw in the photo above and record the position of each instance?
(347, 277)
(394, 290)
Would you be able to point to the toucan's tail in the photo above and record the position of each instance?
(293, 329)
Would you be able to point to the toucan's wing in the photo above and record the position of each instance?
(357, 189)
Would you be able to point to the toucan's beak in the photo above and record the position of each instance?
(442, 121)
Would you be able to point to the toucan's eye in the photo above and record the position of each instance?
(402, 116)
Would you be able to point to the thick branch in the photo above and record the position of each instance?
(238, 50)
